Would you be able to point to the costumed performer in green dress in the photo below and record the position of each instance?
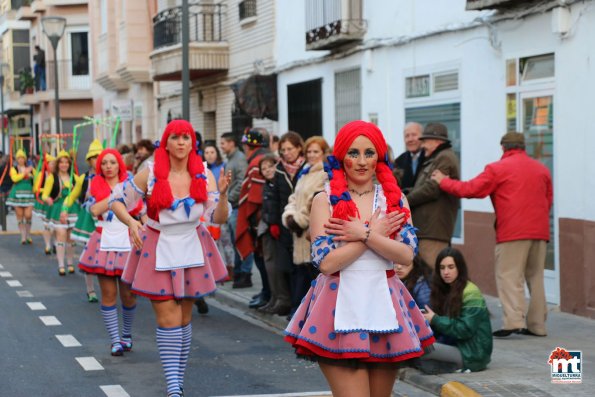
(85, 224)
(59, 193)
(21, 195)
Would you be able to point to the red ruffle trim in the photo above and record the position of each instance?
(100, 271)
(153, 297)
(304, 348)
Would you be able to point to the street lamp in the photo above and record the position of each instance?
(53, 27)
(4, 69)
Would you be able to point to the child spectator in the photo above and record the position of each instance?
(277, 303)
(416, 277)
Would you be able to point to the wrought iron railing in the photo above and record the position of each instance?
(205, 25)
(16, 4)
(328, 18)
(71, 76)
(247, 9)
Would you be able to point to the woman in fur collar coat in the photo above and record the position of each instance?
(296, 216)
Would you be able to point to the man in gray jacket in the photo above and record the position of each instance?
(433, 211)
(237, 164)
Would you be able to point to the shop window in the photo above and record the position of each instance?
(450, 116)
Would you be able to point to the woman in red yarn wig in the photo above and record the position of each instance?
(107, 251)
(176, 260)
(358, 321)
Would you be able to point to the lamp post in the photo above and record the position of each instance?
(53, 27)
(4, 67)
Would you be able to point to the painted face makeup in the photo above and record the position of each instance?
(361, 159)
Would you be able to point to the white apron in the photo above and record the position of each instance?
(114, 234)
(178, 246)
(364, 302)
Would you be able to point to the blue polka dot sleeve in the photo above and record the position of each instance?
(320, 248)
(407, 236)
(127, 193)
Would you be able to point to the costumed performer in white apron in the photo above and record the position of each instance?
(176, 260)
(107, 251)
(357, 320)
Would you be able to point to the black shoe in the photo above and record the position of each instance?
(257, 302)
(201, 306)
(256, 296)
(525, 331)
(503, 333)
(244, 281)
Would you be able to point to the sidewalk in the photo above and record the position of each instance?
(13, 228)
(519, 365)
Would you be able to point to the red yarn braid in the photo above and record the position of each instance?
(338, 184)
(162, 196)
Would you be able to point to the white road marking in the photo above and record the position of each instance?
(114, 391)
(68, 341)
(36, 306)
(89, 363)
(5, 274)
(24, 294)
(49, 320)
(1, 267)
(14, 283)
(304, 394)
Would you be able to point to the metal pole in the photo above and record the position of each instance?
(185, 58)
(3, 194)
(2, 110)
(57, 86)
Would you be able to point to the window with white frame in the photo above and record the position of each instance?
(79, 53)
(434, 98)
(347, 97)
(530, 110)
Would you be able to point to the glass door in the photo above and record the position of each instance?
(537, 123)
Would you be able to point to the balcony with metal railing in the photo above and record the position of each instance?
(473, 5)
(74, 82)
(23, 10)
(208, 50)
(334, 23)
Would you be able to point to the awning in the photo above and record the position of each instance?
(257, 96)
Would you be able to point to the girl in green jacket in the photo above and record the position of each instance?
(458, 312)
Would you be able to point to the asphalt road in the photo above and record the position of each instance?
(230, 356)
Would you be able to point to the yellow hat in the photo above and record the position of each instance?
(63, 153)
(20, 153)
(94, 149)
(49, 157)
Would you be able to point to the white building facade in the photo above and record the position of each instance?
(498, 66)
(230, 41)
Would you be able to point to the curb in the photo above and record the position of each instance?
(430, 383)
(457, 389)
(240, 302)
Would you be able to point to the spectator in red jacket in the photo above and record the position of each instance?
(521, 192)
(255, 142)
